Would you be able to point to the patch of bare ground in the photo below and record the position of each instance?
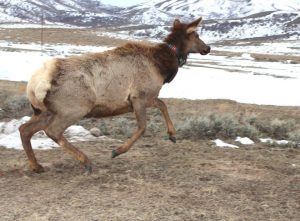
(10, 88)
(276, 58)
(293, 59)
(58, 36)
(155, 180)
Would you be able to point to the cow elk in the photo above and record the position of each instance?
(125, 79)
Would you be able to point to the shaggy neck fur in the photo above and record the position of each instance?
(181, 60)
(166, 61)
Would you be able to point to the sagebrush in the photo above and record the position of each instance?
(212, 125)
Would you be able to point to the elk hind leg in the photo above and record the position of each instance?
(55, 132)
(27, 130)
(139, 108)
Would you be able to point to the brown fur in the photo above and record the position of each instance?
(118, 81)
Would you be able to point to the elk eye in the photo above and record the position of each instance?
(197, 36)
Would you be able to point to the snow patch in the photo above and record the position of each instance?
(10, 137)
(247, 56)
(272, 141)
(220, 143)
(244, 140)
(282, 142)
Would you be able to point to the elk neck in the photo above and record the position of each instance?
(181, 59)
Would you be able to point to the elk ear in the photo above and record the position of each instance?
(194, 25)
(176, 23)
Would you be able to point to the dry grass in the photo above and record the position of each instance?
(155, 180)
(276, 58)
(293, 59)
(57, 35)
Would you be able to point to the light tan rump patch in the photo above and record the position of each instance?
(40, 83)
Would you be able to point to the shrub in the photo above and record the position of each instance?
(294, 136)
(153, 128)
(103, 128)
(213, 126)
(281, 128)
(16, 106)
(249, 130)
(122, 127)
(276, 128)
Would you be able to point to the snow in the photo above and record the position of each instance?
(282, 142)
(29, 57)
(244, 29)
(228, 18)
(162, 13)
(213, 82)
(122, 3)
(285, 47)
(38, 26)
(10, 137)
(266, 140)
(244, 140)
(220, 143)
(217, 9)
(4, 18)
(54, 50)
(272, 141)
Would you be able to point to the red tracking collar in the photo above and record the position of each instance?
(180, 59)
(173, 48)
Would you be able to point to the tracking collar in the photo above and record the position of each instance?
(180, 59)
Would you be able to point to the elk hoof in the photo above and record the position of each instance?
(37, 168)
(114, 154)
(88, 169)
(173, 139)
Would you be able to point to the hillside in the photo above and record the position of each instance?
(233, 19)
(69, 12)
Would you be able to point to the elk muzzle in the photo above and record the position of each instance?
(205, 51)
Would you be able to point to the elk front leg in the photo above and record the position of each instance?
(139, 108)
(163, 108)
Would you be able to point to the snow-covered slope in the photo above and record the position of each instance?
(223, 19)
(213, 9)
(72, 12)
(278, 24)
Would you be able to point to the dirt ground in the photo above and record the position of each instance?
(58, 36)
(156, 179)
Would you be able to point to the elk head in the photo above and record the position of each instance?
(194, 44)
(186, 39)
